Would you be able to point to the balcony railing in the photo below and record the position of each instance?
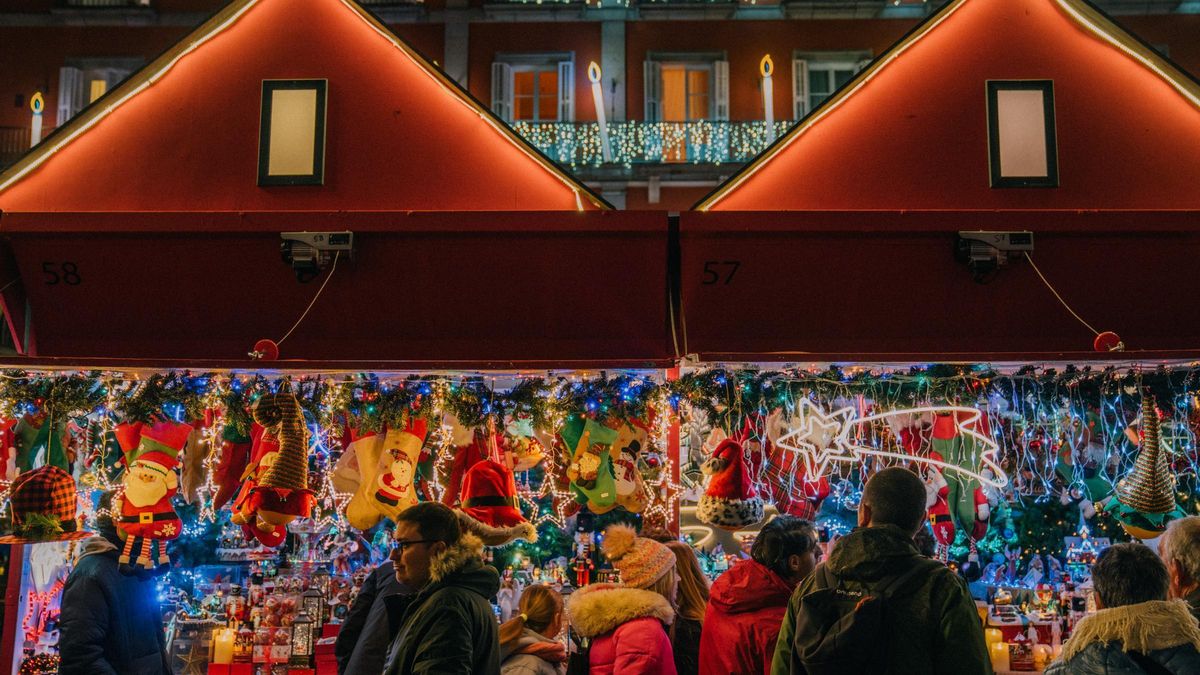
(577, 144)
(14, 141)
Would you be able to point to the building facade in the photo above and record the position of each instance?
(681, 84)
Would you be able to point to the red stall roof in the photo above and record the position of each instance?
(182, 133)
(911, 130)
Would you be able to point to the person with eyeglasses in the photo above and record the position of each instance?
(448, 628)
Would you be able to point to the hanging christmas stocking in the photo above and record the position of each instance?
(397, 469)
(147, 516)
(235, 455)
(465, 457)
(361, 511)
(631, 491)
(957, 450)
(590, 470)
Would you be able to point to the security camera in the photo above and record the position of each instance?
(310, 252)
(986, 252)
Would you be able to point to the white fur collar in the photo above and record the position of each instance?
(456, 557)
(1146, 626)
(599, 608)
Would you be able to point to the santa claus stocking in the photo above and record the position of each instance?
(150, 483)
(397, 469)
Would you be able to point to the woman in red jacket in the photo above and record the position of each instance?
(627, 624)
(747, 603)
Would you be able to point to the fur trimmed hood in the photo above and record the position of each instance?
(455, 558)
(1144, 627)
(600, 608)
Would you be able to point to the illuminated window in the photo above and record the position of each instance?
(98, 87)
(534, 87)
(1021, 144)
(291, 141)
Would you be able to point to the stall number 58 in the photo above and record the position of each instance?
(64, 273)
(720, 271)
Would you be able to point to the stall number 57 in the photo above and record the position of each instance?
(720, 271)
(64, 273)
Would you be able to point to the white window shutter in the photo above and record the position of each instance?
(652, 86)
(502, 90)
(720, 90)
(566, 91)
(70, 93)
(799, 88)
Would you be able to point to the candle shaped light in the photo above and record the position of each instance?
(766, 67)
(992, 636)
(223, 645)
(598, 100)
(998, 651)
(36, 103)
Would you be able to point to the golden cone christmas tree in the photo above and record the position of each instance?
(1144, 501)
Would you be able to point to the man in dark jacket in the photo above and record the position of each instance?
(111, 623)
(1179, 548)
(746, 604)
(1136, 630)
(931, 623)
(448, 628)
(362, 643)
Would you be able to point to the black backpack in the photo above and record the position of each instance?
(842, 632)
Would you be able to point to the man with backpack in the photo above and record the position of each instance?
(877, 605)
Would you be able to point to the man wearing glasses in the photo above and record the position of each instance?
(449, 627)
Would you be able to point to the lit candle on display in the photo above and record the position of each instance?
(36, 103)
(223, 645)
(766, 67)
(993, 635)
(999, 653)
(598, 101)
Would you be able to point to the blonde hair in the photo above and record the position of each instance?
(693, 585)
(540, 607)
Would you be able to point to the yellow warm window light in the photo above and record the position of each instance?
(98, 87)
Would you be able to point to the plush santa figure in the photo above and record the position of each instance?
(730, 500)
(147, 516)
(264, 450)
(282, 495)
(490, 507)
(397, 469)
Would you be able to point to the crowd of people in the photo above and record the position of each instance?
(875, 605)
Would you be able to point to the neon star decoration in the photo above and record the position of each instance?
(821, 438)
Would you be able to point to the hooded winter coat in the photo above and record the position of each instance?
(931, 626)
(741, 623)
(362, 643)
(627, 629)
(1163, 631)
(449, 627)
(533, 654)
(111, 623)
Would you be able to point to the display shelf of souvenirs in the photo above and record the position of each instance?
(263, 619)
(234, 546)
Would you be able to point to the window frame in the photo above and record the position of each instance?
(1050, 180)
(537, 104)
(317, 177)
(514, 62)
(828, 61)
